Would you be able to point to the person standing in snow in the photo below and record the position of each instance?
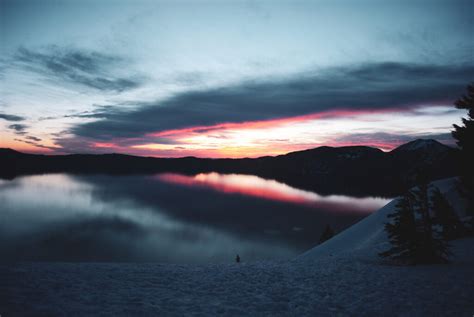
(237, 259)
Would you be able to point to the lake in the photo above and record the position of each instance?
(168, 217)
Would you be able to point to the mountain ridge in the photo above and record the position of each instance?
(355, 170)
(323, 147)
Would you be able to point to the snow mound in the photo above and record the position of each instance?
(363, 238)
(367, 238)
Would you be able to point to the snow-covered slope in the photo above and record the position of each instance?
(367, 238)
(363, 239)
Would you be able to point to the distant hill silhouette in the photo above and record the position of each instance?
(355, 170)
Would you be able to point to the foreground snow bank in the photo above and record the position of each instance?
(329, 286)
(364, 239)
(367, 238)
(340, 277)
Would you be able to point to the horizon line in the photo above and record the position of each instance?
(230, 158)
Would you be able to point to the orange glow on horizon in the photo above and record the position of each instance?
(247, 139)
(376, 128)
(262, 124)
(24, 147)
(104, 145)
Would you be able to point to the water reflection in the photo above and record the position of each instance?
(270, 189)
(61, 217)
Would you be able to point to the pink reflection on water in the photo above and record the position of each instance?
(250, 185)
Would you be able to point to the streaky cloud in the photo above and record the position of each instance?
(34, 141)
(91, 69)
(18, 128)
(11, 117)
(33, 138)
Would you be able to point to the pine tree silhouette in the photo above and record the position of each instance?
(402, 231)
(465, 140)
(413, 233)
(445, 216)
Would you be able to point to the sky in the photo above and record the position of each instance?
(230, 78)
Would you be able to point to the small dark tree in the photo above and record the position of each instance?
(413, 234)
(402, 231)
(327, 234)
(465, 140)
(445, 216)
(433, 247)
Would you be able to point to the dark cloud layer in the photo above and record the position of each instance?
(99, 112)
(18, 128)
(33, 138)
(34, 141)
(375, 86)
(90, 69)
(11, 117)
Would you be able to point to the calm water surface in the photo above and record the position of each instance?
(166, 217)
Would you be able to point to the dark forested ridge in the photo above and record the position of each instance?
(355, 170)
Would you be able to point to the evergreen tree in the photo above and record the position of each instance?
(432, 244)
(445, 216)
(327, 234)
(413, 233)
(465, 140)
(402, 231)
